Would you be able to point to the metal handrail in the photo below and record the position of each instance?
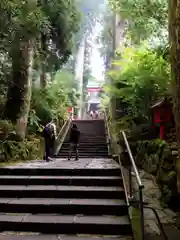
(140, 185)
(108, 133)
(132, 161)
(106, 121)
(129, 198)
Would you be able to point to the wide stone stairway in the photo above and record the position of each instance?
(83, 198)
(92, 139)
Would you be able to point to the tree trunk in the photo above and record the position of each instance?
(43, 75)
(43, 61)
(19, 92)
(174, 37)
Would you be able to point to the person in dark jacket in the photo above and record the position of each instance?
(49, 134)
(74, 141)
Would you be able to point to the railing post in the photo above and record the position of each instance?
(107, 134)
(63, 131)
(130, 183)
(141, 207)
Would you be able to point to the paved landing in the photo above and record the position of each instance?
(102, 163)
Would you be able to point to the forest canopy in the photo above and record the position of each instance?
(36, 40)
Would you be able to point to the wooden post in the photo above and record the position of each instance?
(162, 131)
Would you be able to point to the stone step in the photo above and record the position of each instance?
(51, 191)
(90, 135)
(66, 224)
(61, 180)
(35, 236)
(88, 121)
(81, 149)
(93, 134)
(90, 142)
(87, 151)
(91, 131)
(95, 138)
(84, 147)
(84, 155)
(60, 171)
(64, 206)
(83, 143)
(91, 138)
(87, 138)
(87, 148)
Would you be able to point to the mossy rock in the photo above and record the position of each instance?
(167, 166)
(163, 176)
(167, 154)
(173, 146)
(166, 177)
(151, 163)
(166, 194)
(172, 174)
(151, 147)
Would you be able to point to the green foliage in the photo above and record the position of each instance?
(54, 100)
(144, 77)
(90, 11)
(106, 36)
(5, 71)
(50, 26)
(64, 21)
(21, 19)
(145, 19)
(12, 150)
(56, 20)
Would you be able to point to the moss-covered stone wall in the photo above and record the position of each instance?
(158, 158)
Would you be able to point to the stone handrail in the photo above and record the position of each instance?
(108, 137)
(61, 136)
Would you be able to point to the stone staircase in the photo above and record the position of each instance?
(92, 140)
(63, 201)
(54, 199)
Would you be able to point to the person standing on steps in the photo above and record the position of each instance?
(49, 134)
(91, 114)
(74, 141)
(96, 114)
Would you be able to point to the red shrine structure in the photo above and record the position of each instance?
(162, 116)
